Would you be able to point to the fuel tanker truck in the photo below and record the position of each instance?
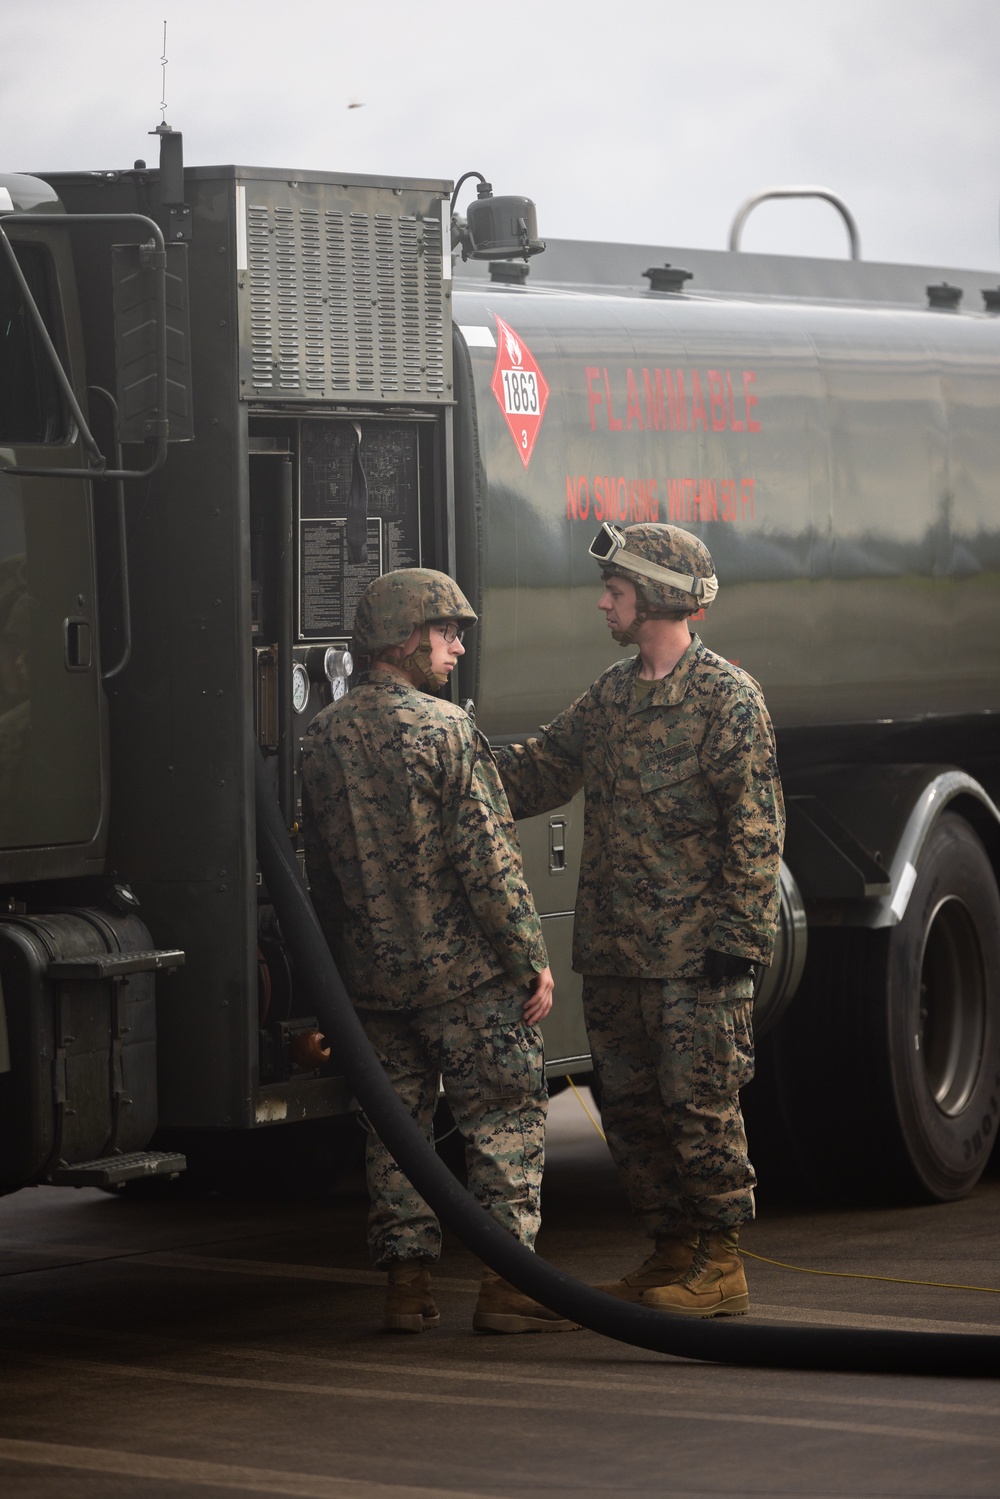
(231, 396)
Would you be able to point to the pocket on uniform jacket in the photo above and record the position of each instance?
(675, 795)
(669, 771)
(723, 1061)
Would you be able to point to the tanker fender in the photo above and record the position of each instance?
(857, 833)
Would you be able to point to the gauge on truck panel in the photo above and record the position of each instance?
(338, 664)
(300, 687)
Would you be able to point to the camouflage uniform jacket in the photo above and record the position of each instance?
(411, 851)
(684, 815)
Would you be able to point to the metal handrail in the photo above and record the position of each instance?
(797, 192)
(98, 469)
(126, 598)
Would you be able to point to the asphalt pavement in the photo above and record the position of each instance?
(215, 1344)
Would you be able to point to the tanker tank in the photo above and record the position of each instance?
(839, 457)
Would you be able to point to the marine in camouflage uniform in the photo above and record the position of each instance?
(678, 898)
(415, 871)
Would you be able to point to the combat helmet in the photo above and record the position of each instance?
(397, 603)
(671, 570)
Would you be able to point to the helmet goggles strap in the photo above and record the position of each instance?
(610, 545)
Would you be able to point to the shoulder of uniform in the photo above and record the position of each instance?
(724, 677)
(364, 702)
(365, 695)
(448, 712)
(419, 708)
(612, 677)
(396, 714)
(321, 723)
(432, 720)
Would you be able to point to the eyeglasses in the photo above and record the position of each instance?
(449, 631)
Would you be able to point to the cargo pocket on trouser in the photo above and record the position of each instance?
(497, 1058)
(723, 1059)
(497, 1094)
(512, 1064)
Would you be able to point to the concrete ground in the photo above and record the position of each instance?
(191, 1346)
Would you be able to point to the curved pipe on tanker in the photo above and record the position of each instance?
(960, 1354)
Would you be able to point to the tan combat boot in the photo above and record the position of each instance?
(714, 1286)
(669, 1261)
(409, 1305)
(501, 1308)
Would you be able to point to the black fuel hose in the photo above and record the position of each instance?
(720, 1341)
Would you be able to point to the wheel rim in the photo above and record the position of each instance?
(952, 1006)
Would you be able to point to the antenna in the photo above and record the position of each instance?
(171, 165)
(163, 86)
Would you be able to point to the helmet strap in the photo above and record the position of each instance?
(631, 635)
(642, 613)
(418, 664)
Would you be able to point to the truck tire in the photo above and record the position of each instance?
(942, 1035)
(882, 1083)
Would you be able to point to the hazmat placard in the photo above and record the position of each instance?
(520, 388)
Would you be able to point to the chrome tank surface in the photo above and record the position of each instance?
(841, 459)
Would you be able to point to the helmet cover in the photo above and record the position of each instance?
(395, 604)
(671, 548)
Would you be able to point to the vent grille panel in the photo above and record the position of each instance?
(343, 297)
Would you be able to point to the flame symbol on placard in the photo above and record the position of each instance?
(513, 347)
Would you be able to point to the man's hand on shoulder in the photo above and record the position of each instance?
(539, 1003)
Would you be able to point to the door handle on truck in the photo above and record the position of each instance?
(557, 845)
(79, 653)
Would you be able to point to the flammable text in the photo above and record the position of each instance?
(669, 401)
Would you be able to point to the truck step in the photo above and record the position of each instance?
(115, 965)
(113, 1170)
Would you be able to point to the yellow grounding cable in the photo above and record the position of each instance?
(896, 1280)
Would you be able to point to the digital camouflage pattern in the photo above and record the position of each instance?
(492, 1070)
(416, 875)
(681, 852)
(395, 603)
(684, 815)
(411, 851)
(671, 1057)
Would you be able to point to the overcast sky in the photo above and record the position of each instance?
(649, 122)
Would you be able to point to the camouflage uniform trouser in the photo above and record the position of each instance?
(492, 1068)
(670, 1059)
